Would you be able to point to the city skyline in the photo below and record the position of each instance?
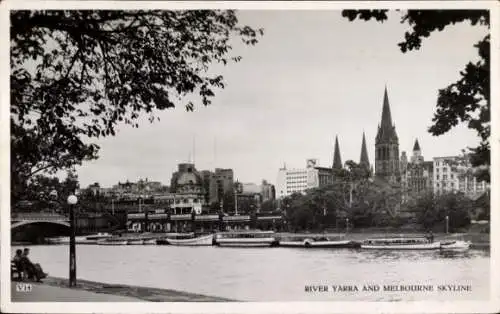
(313, 76)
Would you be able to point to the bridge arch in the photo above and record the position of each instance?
(29, 222)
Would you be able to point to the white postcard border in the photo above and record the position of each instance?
(493, 305)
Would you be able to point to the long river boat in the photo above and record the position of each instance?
(113, 241)
(246, 239)
(400, 243)
(319, 242)
(191, 240)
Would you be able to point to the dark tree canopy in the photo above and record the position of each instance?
(76, 75)
(468, 99)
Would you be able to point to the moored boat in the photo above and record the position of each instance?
(136, 241)
(149, 242)
(191, 240)
(112, 241)
(58, 240)
(400, 243)
(93, 238)
(246, 239)
(455, 245)
(164, 240)
(319, 243)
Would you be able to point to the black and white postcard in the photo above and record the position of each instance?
(249, 157)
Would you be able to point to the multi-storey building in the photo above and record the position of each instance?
(419, 173)
(454, 174)
(299, 180)
(268, 191)
(218, 185)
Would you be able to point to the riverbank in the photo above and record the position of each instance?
(54, 289)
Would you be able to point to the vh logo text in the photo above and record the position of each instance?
(24, 287)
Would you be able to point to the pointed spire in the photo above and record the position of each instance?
(386, 123)
(416, 147)
(363, 160)
(337, 161)
(386, 130)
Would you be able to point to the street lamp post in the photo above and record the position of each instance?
(72, 200)
(447, 224)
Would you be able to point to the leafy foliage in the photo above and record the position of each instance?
(468, 99)
(47, 192)
(76, 75)
(353, 195)
(432, 210)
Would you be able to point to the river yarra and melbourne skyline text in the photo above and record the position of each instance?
(387, 288)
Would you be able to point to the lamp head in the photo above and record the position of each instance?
(72, 200)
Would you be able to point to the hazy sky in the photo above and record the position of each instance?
(312, 76)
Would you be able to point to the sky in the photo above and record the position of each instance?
(313, 76)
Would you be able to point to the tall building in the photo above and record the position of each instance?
(418, 172)
(290, 181)
(218, 185)
(387, 147)
(268, 191)
(454, 174)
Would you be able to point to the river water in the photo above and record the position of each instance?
(278, 274)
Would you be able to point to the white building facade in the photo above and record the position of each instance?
(291, 181)
(454, 174)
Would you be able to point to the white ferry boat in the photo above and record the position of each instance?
(415, 243)
(191, 240)
(319, 242)
(173, 235)
(246, 239)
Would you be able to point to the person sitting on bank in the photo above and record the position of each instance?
(33, 271)
(17, 262)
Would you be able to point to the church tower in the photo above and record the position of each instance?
(387, 147)
(417, 153)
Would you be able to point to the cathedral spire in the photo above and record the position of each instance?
(337, 161)
(386, 130)
(363, 160)
(386, 123)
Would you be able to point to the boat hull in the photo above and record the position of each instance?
(456, 246)
(114, 242)
(419, 246)
(320, 244)
(199, 241)
(59, 240)
(149, 242)
(245, 242)
(136, 242)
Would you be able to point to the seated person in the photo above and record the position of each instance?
(34, 271)
(17, 261)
